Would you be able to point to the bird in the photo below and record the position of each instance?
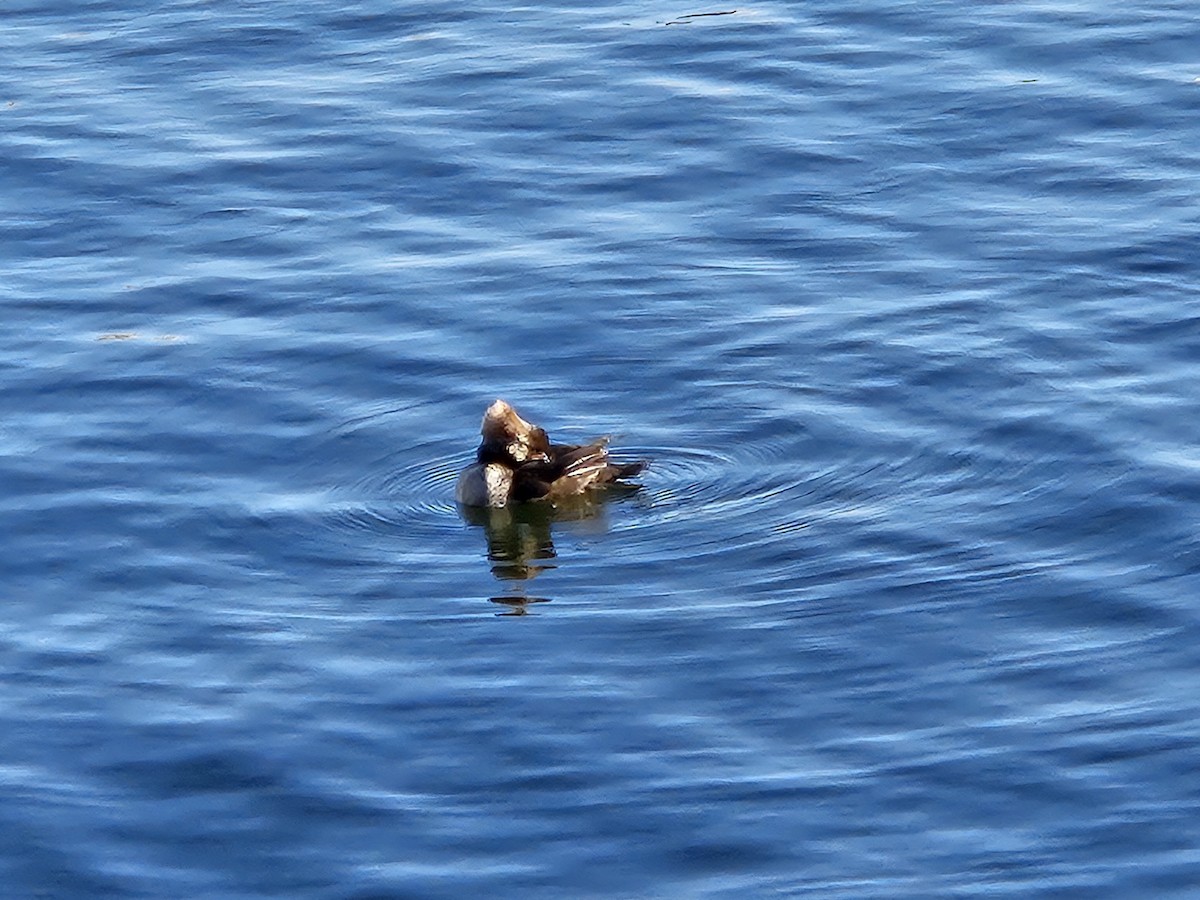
(517, 463)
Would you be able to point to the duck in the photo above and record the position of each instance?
(517, 463)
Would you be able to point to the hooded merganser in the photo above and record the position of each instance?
(516, 462)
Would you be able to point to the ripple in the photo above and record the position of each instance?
(399, 496)
(885, 503)
(844, 490)
(766, 488)
(751, 494)
(680, 476)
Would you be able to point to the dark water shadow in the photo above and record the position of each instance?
(520, 539)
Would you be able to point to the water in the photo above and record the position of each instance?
(900, 301)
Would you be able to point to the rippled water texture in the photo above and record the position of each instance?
(899, 300)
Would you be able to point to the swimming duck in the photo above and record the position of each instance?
(516, 462)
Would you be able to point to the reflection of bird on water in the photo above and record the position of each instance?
(520, 545)
(516, 462)
(518, 539)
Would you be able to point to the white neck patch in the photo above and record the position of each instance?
(498, 481)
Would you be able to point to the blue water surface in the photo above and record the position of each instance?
(900, 300)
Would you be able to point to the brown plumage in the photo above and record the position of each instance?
(516, 462)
